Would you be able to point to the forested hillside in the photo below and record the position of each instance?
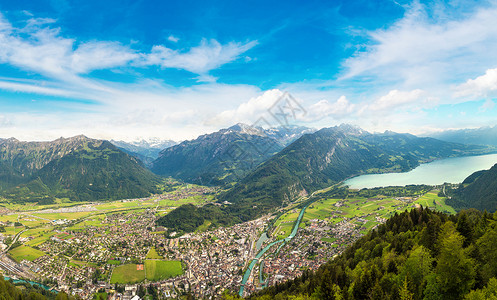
(329, 156)
(478, 191)
(419, 254)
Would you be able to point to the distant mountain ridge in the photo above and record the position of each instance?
(477, 136)
(331, 155)
(146, 151)
(78, 168)
(226, 155)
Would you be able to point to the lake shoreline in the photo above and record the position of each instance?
(436, 172)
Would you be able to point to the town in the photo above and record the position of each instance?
(87, 255)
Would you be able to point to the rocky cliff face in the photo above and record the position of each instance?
(224, 156)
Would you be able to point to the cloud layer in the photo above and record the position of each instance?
(41, 48)
(412, 75)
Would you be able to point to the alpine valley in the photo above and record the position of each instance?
(243, 212)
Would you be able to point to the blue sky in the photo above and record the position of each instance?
(174, 70)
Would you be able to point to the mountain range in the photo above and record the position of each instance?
(478, 136)
(145, 150)
(226, 155)
(327, 157)
(77, 168)
(264, 168)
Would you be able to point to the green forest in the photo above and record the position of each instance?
(419, 254)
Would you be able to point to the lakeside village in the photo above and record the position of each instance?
(81, 262)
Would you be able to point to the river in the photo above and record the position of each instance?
(246, 276)
(451, 170)
(30, 282)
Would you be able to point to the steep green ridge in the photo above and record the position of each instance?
(217, 158)
(77, 168)
(329, 156)
(478, 191)
(419, 254)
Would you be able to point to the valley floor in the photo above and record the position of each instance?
(106, 246)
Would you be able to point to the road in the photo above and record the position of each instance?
(16, 237)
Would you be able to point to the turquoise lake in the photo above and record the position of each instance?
(451, 170)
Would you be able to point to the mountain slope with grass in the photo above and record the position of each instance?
(77, 168)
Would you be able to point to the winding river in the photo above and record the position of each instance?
(247, 273)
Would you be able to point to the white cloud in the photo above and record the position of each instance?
(339, 109)
(207, 56)
(489, 104)
(100, 55)
(4, 121)
(480, 86)
(144, 108)
(248, 112)
(31, 88)
(45, 51)
(173, 39)
(396, 99)
(426, 49)
(127, 111)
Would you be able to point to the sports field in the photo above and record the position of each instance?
(162, 269)
(127, 274)
(154, 269)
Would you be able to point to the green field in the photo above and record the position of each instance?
(284, 225)
(152, 254)
(328, 240)
(39, 235)
(78, 263)
(352, 207)
(204, 226)
(155, 270)
(69, 216)
(24, 252)
(199, 199)
(120, 204)
(162, 269)
(432, 201)
(95, 221)
(127, 274)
